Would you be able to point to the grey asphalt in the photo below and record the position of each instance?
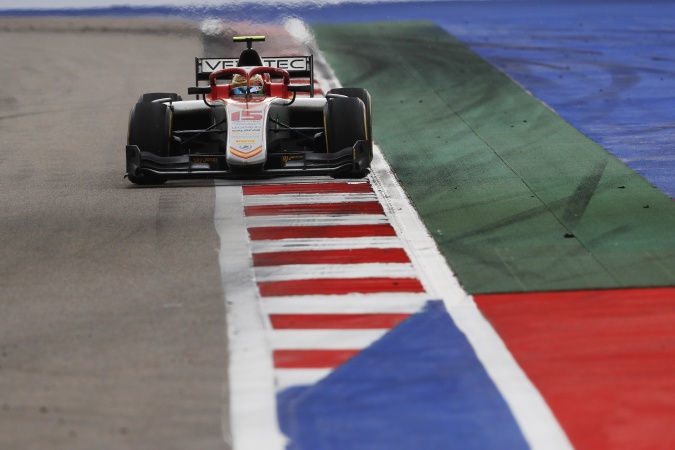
(112, 319)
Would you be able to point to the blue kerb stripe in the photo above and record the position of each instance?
(419, 387)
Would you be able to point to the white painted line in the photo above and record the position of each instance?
(299, 377)
(316, 220)
(325, 339)
(347, 304)
(252, 390)
(300, 199)
(289, 245)
(322, 271)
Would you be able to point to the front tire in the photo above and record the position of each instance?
(147, 179)
(150, 131)
(364, 96)
(345, 124)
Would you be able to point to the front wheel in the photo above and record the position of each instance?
(364, 96)
(150, 128)
(345, 123)
(147, 179)
(150, 131)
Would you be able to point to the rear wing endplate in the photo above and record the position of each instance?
(297, 66)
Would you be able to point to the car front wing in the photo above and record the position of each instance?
(348, 160)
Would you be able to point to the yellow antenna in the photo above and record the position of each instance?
(248, 39)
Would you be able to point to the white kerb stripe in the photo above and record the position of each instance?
(397, 302)
(312, 179)
(325, 339)
(289, 245)
(324, 220)
(322, 271)
(300, 199)
(299, 377)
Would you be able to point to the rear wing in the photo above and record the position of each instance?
(297, 67)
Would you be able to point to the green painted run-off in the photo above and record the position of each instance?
(516, 198)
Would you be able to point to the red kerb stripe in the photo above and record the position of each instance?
(315, 208)
(356, 256)
(338, 231)
(335, 321)
(602, 359)
(309, 188)
(311, 359)
(338, 286)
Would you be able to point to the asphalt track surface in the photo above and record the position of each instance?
(112, 321)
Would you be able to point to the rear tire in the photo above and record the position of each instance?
(152, 96)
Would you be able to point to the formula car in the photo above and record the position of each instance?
(252, 117)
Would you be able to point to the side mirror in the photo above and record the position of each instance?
(199, 90)
(299, 88)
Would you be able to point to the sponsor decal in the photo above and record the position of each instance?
(246, 128)
(204, 160)
(287, 158)
(287, 63)
(296, 63)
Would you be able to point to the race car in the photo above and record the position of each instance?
(252, 117)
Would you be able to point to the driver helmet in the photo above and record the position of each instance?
(238, 85)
